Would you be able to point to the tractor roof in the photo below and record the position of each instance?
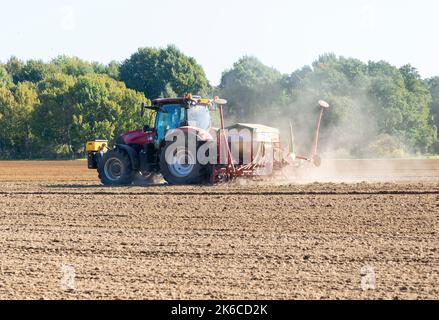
(179, 100)
(162, 101)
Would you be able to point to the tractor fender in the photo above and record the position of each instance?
(132, 154)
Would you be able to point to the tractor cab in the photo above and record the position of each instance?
(186, 112)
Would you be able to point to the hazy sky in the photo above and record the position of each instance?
(285, 34)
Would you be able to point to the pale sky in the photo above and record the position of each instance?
(285, 34)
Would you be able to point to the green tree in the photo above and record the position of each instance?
(5, 78)
(34, 71)
(113, 70)
(402, 105)
(155, 71)
(183, 73)
(417, 114)
(103, 108)
(13, 66)
(74, 66)
(142, 72)
(7, 102)
(52, 119)
(433, 86)
(26, 100)
(251, 88)
(16, 106)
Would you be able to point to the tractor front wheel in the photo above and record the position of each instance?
(115, 168)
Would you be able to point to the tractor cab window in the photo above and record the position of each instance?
(199, 116)
(168, 117)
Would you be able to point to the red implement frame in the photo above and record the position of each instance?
(231, 171)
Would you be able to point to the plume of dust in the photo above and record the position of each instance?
(345, 137)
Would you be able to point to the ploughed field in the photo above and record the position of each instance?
(63, 235)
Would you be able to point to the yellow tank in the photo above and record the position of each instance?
(95, 145)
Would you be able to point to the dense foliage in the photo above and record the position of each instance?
(49, 109)
(53, 116)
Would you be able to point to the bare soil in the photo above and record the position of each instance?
(277, 240)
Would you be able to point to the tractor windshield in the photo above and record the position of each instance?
(199, 116)
(204, 117)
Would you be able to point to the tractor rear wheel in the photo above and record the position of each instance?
(115, 168)
(184, 169)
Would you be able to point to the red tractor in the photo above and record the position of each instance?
(187, 143)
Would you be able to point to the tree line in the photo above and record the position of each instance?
(49, 109)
